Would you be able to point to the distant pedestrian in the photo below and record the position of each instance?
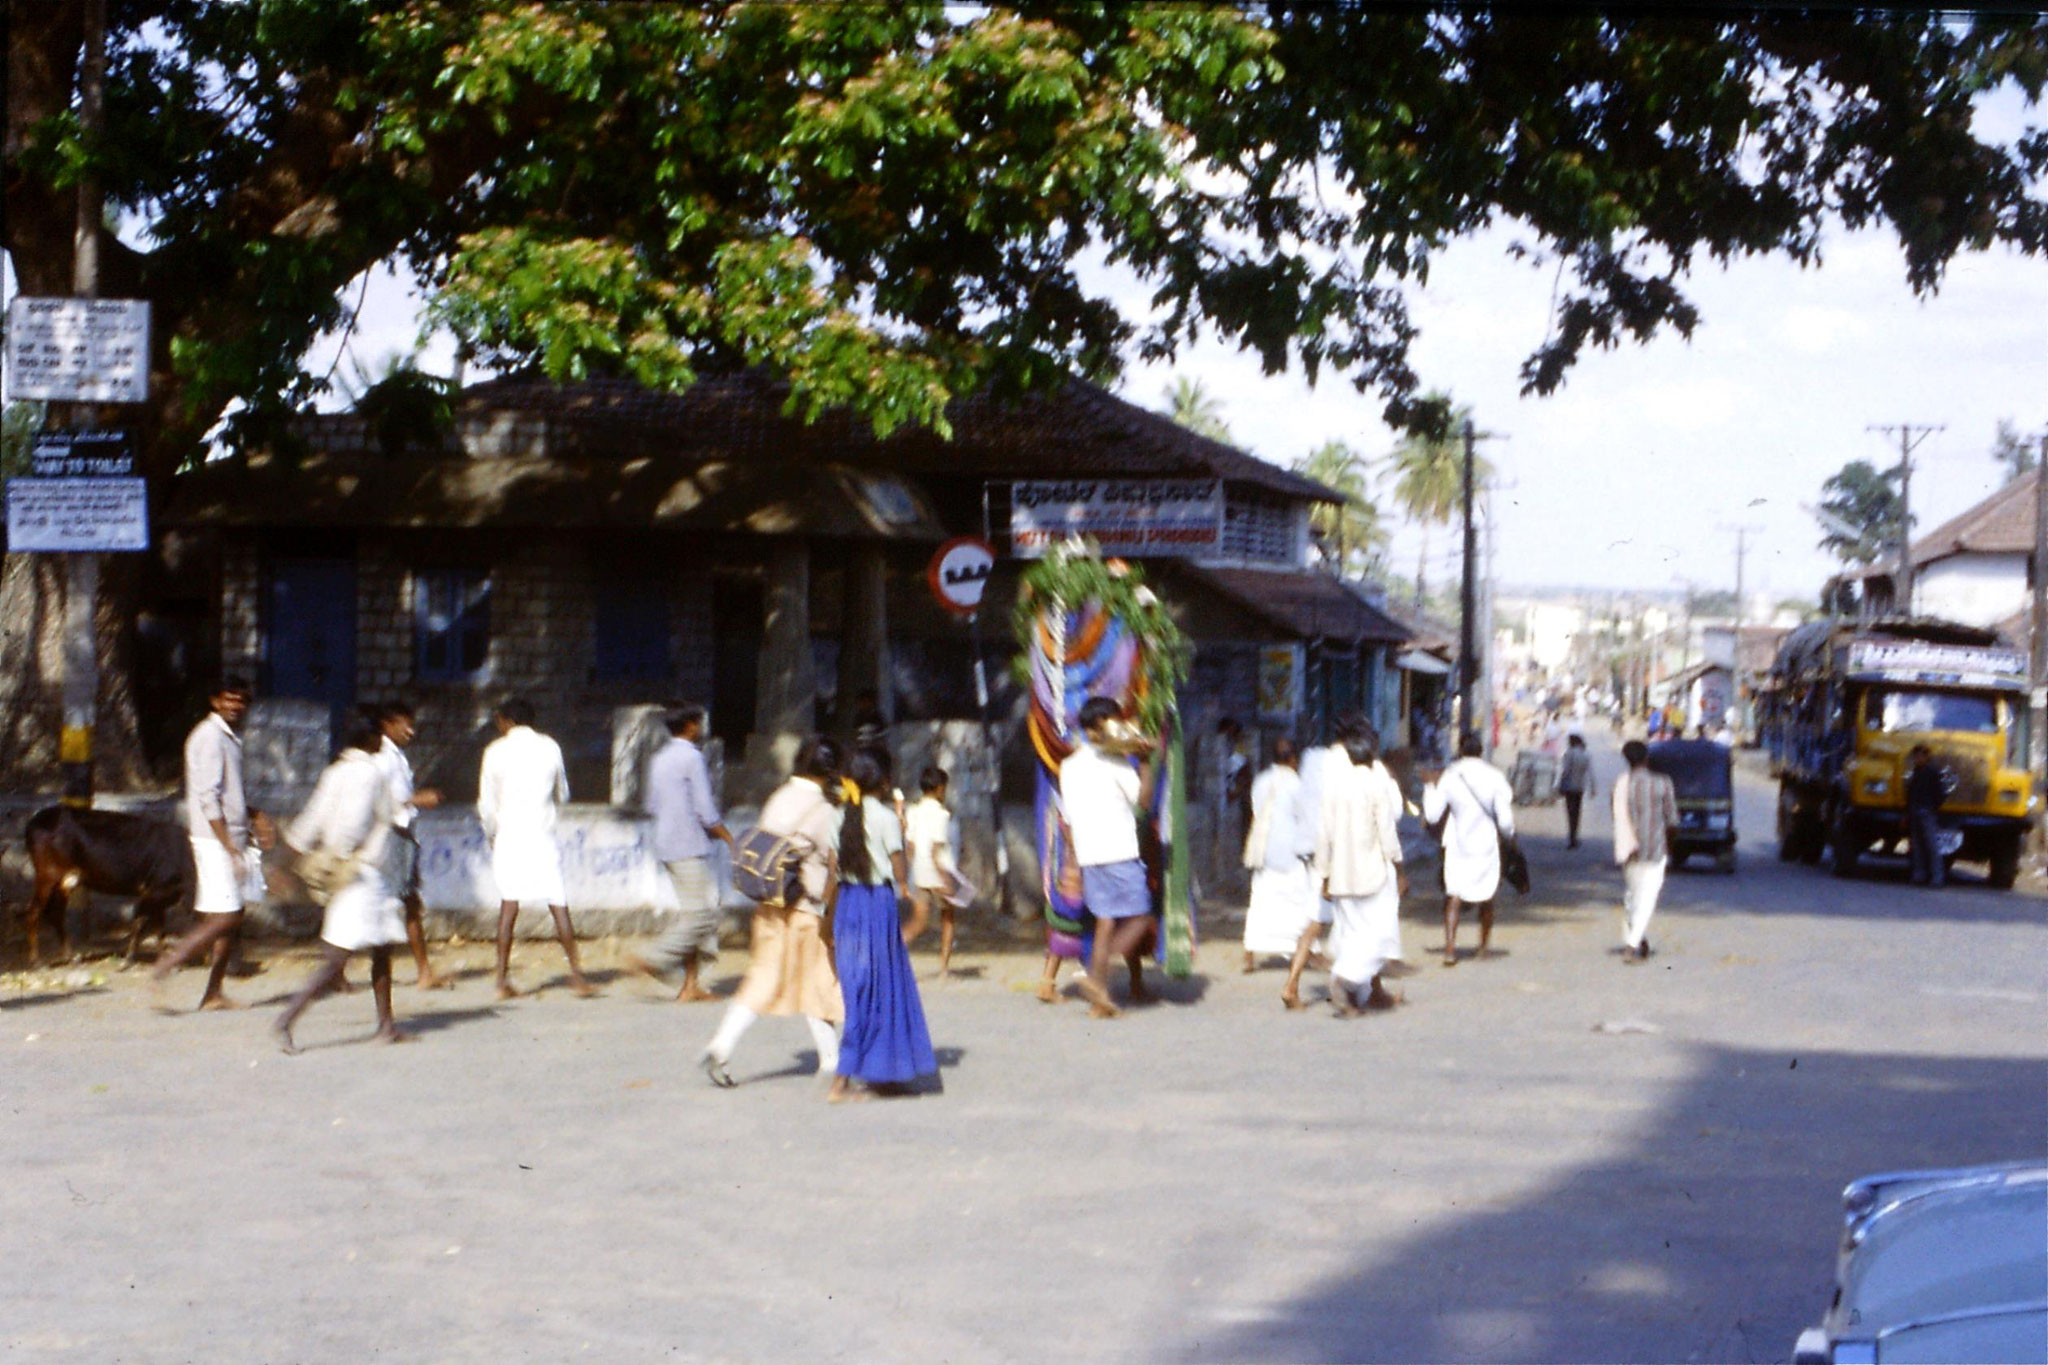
(519, 794)
(884, 1042)
(349, 819)
(1278, 849)
(1574, 783)
(686, 820)
(220, 823)
(396, 726)
(1104, 796)
(1475, 804)
(1645, 810)
(792, 970)
(1928, 785)
(934, 871)
(1358, 867)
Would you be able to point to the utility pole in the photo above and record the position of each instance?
(1741, 697)
(2037, 656)
(82, 570)
(1908, 442)
(1468, 659)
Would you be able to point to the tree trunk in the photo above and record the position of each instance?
(32, 601)
(1421, 565)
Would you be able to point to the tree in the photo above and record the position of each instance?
(18, 430)
(1349, 534)
(885, 204)
(1190, 405)
(1429, 476)
(2016, 452)
(1859, 513)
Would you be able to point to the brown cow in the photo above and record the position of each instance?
(112, 853)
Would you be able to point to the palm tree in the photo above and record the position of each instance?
(1190, 405)
(1353, 525)
(1429, 479)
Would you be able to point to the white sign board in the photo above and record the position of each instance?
(77, 515)
(1123, 516)
(1954, 665)
(78, 350)
(959, 573)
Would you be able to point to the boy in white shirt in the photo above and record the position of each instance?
(1102, 796)
(928, 830)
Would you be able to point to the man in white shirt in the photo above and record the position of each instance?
(395, 720)
(1645, 809)
(686, 820)
(522, 784)
(1358, 866)
(220, 823)
(1102, 796)
(1477, 806)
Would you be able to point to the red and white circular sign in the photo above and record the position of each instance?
(959, 573)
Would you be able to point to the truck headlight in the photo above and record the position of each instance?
(1876, 786)
(1717, 821)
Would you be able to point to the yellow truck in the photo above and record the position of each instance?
(1845, 704)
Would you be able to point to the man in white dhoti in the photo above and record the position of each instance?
(225, 836)
(1320, 769)
(1645, 809)
(1358, 867)
(349, 821)
(522, 785)
(1473, 799)
(1277, 851)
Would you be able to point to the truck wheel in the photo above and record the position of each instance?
(2005, 863)
(1847, 841)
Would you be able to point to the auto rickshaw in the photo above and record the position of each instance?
(1702, 775)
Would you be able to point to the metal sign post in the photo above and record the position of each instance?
(958, 575)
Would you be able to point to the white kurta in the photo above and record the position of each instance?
(1482, 808)
(522, 784)
(1318, 766)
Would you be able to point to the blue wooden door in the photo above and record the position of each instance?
(312, 632)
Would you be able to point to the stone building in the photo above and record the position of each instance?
(598, 547)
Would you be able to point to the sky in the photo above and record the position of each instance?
(1627, 476)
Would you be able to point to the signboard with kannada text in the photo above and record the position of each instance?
(1917, 661)
(77, 516)
(78, 350)
(81, 455)
(1135, 517)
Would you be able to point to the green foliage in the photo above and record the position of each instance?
(1349, 534)
(18, 428)
(1070, 577)
(1429, 470)
(1191, 406)
(2016, 453)
(1861, 498)
(885, 203)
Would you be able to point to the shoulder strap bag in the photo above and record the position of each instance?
(1514, 865)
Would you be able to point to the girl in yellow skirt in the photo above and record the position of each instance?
(792, 969)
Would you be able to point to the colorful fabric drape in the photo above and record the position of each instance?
(1073, 656)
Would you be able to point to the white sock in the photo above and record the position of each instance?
(826, 1039)
(738, 1019)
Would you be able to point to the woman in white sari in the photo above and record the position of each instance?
(345, 831)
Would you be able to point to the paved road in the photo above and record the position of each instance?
(1479, 1176)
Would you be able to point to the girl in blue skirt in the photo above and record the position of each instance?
(885, 1042)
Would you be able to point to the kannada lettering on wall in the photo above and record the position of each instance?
(1137, 517)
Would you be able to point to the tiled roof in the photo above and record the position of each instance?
(1313, 606)
(1077, 429)
(2001, 524)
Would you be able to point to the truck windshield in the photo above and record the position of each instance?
(1906, 710)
